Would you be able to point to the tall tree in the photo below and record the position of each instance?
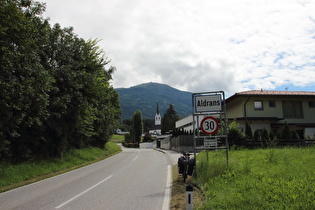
(169, 119)
(137, 126)
(55, 92)
(24, 82)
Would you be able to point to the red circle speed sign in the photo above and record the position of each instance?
(209, 125)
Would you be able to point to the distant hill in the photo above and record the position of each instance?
(144, 97)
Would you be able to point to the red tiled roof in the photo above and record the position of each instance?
(270, 93)
(276, 92)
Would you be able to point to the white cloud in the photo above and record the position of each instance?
(199, 45)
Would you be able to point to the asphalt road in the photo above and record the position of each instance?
(133, 179)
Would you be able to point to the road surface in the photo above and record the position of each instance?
(133, 179)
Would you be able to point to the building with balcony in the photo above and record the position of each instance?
(268, 109)
(271, 109)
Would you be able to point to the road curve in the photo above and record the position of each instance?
(133, 179)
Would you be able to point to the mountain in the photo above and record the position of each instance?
(144, 97)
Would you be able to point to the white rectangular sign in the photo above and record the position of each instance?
(208, 103)
(210, 143)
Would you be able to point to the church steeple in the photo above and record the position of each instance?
(157, 115)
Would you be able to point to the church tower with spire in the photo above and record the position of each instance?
(157, 116)
(157, 122)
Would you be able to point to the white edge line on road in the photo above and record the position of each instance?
(135, 158)
(85, 191)
(168, 189)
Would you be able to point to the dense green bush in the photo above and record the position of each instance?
(235, 134)
(147, 137)
(131, 145)
(264, 138)
(55, 91)
(286, 132)
(257, 135)
(127, 137)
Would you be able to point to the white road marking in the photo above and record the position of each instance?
(135, 158)
(168, 189)
(85, 191)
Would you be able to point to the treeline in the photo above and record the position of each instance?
(55, 91)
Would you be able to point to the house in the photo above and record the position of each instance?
(268, 109)
(271, 109)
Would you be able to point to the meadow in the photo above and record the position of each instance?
(15, 175)
(275, 178)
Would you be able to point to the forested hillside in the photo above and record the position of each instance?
(144, 97)
(54, 87)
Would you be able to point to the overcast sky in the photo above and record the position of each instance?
(200, 45)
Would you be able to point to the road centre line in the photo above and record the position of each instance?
(85, 191)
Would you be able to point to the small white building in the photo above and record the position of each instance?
(187, 123)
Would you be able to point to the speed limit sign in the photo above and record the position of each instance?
(209, 125)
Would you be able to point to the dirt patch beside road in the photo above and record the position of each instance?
(178, 200)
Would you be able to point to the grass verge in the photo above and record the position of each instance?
(118, 138)
(258, 179)
(178, 200)
(13, 176)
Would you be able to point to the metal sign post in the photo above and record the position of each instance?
(211, 106)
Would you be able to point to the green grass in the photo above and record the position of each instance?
(118, 138)
(258, 179)
(12, 176)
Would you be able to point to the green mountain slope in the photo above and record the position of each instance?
(144, 97)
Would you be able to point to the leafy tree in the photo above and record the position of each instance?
(84, 107)
(24, 82)
(127, 122)
(235, 134)
(54, 88)
(137, 126)
(101, 96)
(169, 119)
(148, 124)
(124, 127)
